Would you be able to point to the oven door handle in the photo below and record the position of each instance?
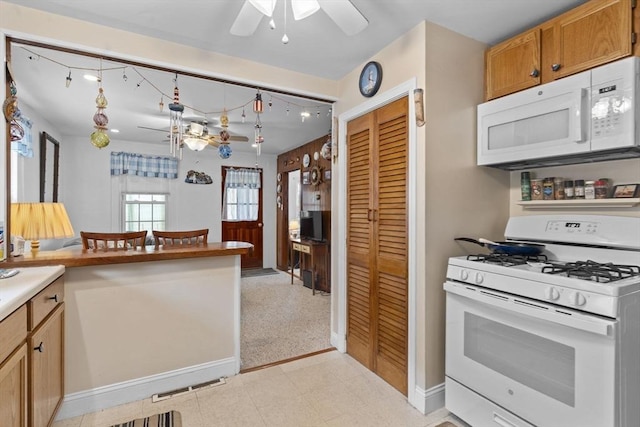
(533, 308)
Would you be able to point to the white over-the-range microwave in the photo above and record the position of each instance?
(587, 117)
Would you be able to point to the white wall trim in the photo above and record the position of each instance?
(339, 342)
(99, 398)
(403, 89)
(429, 400)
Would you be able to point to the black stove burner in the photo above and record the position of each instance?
(506, 259)
(594, 271)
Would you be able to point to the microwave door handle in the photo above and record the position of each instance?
(581, 116)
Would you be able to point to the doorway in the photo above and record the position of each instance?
(242, 211)
(293, 214)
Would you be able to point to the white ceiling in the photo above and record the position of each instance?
(317, 47)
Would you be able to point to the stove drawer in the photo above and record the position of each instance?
(475, 410)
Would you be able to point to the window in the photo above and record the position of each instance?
(144, 212)
(241, 194)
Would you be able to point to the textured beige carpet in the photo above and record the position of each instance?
(168, 419)
(280, 320)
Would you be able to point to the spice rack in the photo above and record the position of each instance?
(580, 203)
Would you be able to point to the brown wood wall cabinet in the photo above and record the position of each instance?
(32, 375)
(315, 196)
(377, 268)
(587, 36)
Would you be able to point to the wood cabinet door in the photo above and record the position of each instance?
(377, 305)
(590, 35)
(13, 389)
(360, 239)
(47, 368)
(513, 65)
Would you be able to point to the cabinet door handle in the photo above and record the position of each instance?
(55, 298)
(40, 348)
(555, 67)
(369, 212)
(534, 73)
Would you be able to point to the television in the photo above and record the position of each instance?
(311, 226)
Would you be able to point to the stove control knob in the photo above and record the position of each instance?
(464, 274)
(479, 278)
(577, 299)
(551, 294)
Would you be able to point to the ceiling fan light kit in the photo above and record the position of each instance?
(342, 12)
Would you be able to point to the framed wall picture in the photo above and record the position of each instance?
(327, 174)
(626, 191)
(305, 177)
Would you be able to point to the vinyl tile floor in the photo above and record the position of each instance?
(328, 389)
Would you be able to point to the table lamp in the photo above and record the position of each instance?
(34, 221)
(294, 228)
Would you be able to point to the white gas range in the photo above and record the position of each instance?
(550, 341)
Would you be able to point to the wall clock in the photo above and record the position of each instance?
(306, 160)
(370, 79)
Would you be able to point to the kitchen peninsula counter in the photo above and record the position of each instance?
(77, 257)
(145, 321)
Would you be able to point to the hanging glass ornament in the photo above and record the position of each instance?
(99, 137)
(224, 150)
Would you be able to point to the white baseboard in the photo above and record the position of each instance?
(339, 342)
(96, 399)
(429, 400)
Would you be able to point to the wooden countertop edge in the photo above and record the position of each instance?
(84, 258)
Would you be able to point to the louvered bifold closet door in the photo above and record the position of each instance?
(377, 241)
(359, 240)
(390, 228)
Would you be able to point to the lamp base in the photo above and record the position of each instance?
(35, 247)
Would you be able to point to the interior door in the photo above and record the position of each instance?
(377, 230)
(246, 231)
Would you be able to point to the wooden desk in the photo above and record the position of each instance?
(317, 251)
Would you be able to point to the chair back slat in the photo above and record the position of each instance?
(113, 241)
(180, 238)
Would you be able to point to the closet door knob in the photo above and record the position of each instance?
(555, 67)
(534, 73)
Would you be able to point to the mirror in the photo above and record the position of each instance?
(49, 158)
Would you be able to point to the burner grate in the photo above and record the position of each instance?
(594, 271)
(506, 259)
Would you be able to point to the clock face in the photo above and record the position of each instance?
(370, 79)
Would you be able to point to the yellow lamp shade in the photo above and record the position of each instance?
(35, 221)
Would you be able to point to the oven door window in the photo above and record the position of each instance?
(536, 362)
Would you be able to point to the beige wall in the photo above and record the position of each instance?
(130, 321)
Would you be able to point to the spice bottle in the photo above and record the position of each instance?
(547, 189)
(601, 189)
(536, 189)
(525, 185)
(578, 189)
(589, 190)
(568, 190)
(558, 189)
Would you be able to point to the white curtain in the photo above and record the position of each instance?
(241, 195)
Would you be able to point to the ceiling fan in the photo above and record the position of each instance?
(197, 136)
(342, 12)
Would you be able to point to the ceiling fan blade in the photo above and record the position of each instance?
(156, 129)
(247, 20)
(345, 15)
(232, 138)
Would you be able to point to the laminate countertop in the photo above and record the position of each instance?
(78, 257)
(18, 289)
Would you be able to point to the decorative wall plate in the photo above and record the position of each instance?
(370, 79)
(279, 177)
(306, 160)
(278, 188)
(316, 155)
(316, 175)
